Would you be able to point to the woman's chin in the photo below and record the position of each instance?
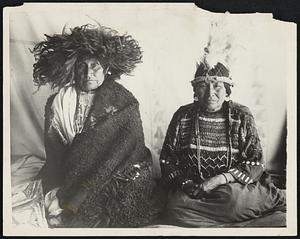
(212, 108)
(89, 87)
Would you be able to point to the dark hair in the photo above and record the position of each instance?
(55, 57)
(227, 88)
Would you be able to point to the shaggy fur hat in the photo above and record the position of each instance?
(56, 56)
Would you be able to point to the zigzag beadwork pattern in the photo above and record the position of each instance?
(214, 145)
(211, 166)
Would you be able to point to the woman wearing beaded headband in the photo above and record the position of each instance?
(211, 158)
(98, 169)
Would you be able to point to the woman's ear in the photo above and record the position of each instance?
(196, 97)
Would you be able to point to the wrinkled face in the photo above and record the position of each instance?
(211, 94)
(89, 74)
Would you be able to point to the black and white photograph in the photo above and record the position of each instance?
(148, 119)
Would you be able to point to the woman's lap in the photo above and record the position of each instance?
(228, 203)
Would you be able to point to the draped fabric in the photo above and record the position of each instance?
(28, 207)
(64, 108)
(70, 109)
(228, 204)
(105, 174)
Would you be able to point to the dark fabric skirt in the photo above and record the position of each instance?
(228, 203)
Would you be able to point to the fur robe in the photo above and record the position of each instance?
(105, 176)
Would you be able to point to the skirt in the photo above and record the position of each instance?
(227, 203)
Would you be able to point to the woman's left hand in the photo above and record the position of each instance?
(55, 221)
(213, 182)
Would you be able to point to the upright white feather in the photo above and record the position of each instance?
(220, 43)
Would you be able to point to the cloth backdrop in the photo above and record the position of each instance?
(172, 37)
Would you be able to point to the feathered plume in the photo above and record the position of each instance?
(219, 46)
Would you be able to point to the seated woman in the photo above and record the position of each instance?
(211, 159)
(98, 169)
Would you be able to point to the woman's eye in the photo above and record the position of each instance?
(218, 85)
(202, 85)
(96, 66)
(81, 66)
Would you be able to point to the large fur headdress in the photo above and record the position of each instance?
(56, 56)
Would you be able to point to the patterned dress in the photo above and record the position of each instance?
(84, 103)
(201, 145)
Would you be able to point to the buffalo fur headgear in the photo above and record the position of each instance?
(56, 57)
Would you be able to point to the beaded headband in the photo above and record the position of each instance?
(212, 78)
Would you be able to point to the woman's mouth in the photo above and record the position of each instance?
(211, 101)
(87, 81)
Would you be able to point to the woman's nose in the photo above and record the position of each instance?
(90, 72)
(210, 90)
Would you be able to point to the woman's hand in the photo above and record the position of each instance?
(53, 209)
(213, 182)
(52, 203)
(55, 221)
(192, 189)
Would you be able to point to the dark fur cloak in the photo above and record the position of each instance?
(105, 176)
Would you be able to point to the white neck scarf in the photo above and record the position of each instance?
(64, 107)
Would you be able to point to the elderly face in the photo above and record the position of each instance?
(211, 94)
(89, 74)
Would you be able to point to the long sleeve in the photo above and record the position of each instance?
(171, 173)
(251, 166)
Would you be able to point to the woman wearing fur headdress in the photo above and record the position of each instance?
(98, 169)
